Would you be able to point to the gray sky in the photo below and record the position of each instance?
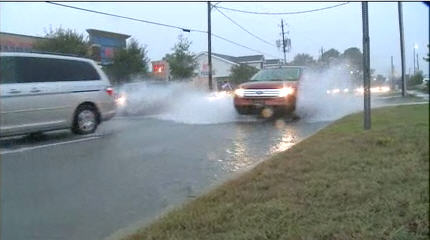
(338, 28)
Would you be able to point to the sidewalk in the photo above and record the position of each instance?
(419, 94)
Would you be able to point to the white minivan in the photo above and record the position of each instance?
(41, 92)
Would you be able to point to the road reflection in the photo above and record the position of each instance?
(238, 157)
(287, 140)
(252, 143)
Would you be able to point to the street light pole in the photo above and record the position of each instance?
(392, 73)
(418, 65)
(414, 61)
(416, 54)
(366, 65)
(209, 47)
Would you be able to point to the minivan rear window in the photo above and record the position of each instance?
(7, 70)
(35, 69)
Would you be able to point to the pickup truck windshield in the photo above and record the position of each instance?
(278, 74)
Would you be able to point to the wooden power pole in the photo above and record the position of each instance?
(209, 47)
(366, 65)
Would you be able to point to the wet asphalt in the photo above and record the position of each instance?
(102, 186)
(107, 184)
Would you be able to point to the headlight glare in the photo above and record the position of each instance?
(239, 92)
(286, 91)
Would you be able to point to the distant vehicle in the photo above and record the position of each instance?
(425, 81)
(41, 92)
(271, 88)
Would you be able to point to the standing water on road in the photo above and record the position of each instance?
(180, 102)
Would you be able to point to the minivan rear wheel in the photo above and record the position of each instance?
(85, 120)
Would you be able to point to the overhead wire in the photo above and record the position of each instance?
(244, 29)
(282, 13)
(119, 16)
(238, 44)
(160, 24)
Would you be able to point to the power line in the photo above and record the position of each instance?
(237, 24)
(238, 44)
(124, 17)
(160, 24)
(283, 13)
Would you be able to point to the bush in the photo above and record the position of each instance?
(416, 79)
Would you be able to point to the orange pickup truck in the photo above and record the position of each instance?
(271, 88)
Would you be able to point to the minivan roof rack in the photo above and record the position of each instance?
(55, 53)
(282, 66)
(46, 52)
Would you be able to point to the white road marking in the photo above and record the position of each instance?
(47, 145)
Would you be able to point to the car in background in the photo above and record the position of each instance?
(380, 89)
(42, 92)
(271, 88)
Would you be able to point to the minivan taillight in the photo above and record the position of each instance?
(109, 91)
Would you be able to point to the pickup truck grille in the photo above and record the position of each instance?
(264, 93)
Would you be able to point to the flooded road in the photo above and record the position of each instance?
(62, 186)
(134, 168)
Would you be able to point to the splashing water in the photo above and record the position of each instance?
(180, 102)
(314, 104)
(184, 103)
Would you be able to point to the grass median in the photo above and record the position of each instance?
(342, 183)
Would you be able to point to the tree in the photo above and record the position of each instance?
(182, 62)
(416, 79)
(303, 59)
(354, 57)
(63, 41)
(129, 61)
(380, 79)
(241, 73)
(329, 56)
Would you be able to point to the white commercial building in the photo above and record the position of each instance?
(221, 67)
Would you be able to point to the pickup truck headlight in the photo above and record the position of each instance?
(286, 91)
(239, 92)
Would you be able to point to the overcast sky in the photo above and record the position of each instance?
(338, 28)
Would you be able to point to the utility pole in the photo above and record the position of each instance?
(402, 48)
(283, 41)
(286, 42)
(418, 65)
(209, 47)
(392, 72)
(366, 65)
